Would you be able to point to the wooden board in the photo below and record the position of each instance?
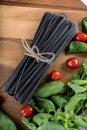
(58, 4)
(18, 21)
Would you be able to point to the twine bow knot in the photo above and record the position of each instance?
(34, 52)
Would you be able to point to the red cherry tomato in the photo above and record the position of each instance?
(27, 111)
(81, 36)
(56, 75)
(72, 62)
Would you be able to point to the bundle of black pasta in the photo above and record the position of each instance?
(53, 35)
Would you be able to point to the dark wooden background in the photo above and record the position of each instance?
(21, 18)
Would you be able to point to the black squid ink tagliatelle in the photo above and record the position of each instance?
(53, 35)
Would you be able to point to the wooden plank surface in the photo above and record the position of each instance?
(11, 52)
(17, 22)
(64, 4)
(23, 20)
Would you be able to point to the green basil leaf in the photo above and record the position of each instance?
(80, 122)
(6, 123)
(85, 66)
(44, 125)
(50, 88)
(76, 88)
(33, 102)
(40, 117)
(29, 125)
(39, 128)
(59, 100)
(53, 125)
(84, 115)
(46, 105)
(79, 81)
(84, 24)
(86, 104)
(82, 73)
(74, 129)
(77, 46)
(59, 115)
(78, 75)
(79, 106)
(70, 106)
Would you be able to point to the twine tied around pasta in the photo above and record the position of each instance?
(35, 53)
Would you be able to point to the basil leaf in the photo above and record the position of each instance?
(79, 81)
(6, 123)
(50, 88)
(82, 73)
(44, 125)
(29, 125)
(86, 104)
(53, 125)
(85, 66)
(70, 106)
(59, 115)
(59, 100)
(80, 122)
(76, 88)
(40, 117)
(33, 102)
(46, 105)
(77, 46)
(79, 106)
(79, 74)
(84, 24)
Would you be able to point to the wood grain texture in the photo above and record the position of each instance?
(12, 51)
(12, 108)
(69, 4)
(22, 19)
(16, 22)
